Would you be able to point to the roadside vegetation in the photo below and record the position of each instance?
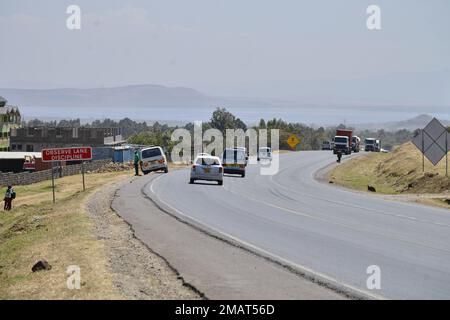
(398, 172)
(311, 138)
(62, 234)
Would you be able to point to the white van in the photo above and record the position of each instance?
(265, 153)
(234, 161)
(153, 159)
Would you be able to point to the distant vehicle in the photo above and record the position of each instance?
(208, 168)
(203, 154)
(344, 145)
(265, 153)
(29, 163)
(153, 159)
(377, 145)
(33, 164)
(246, 153)
(234, 161)
(370, 144)
(356, 144)
(326, 145)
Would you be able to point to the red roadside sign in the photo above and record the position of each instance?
(67, 154)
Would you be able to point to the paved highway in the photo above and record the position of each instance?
(328, 231)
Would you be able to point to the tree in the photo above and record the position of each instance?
(222, 120)
(262, 124)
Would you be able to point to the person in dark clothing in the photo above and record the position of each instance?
(137, 160)
(9, 197)
(339, 156)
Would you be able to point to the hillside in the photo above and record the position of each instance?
(399, 172)
(417, 122)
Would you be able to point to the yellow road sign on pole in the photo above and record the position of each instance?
(293, 141)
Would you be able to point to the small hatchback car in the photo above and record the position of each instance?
(207, 168)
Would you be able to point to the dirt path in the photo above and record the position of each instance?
(138, 272)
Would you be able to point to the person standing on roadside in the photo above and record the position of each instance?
(137, 160)
(10, 195)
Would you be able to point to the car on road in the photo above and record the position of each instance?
(208, 168)
(265, 153)
(153, 159)
(234, 161)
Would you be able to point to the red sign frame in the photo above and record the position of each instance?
(67, 154)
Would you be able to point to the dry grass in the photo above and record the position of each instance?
(393, 173)
(398, 172)
(60, 233)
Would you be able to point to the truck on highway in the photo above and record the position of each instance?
(356, 144)
(343, 141)
(377, 145)
(32, 163)
(371, 144)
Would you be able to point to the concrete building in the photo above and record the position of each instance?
(10, 118)
(32, 139)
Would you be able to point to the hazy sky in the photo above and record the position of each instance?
(221, 47)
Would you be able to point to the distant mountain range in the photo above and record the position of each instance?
(131, 96)
(411, 124)
(181, 104)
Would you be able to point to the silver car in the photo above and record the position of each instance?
(206, 167)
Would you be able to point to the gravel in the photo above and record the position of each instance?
(138, 272)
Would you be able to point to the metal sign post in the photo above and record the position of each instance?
(53, 183)
(67, 154)
(446, 155)
(433, 143)
(82, 174)
(423, 153)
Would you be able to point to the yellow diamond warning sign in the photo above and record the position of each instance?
(293, 141)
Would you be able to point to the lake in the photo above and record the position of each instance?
(250, 114)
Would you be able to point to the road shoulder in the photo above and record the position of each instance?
(215, 268)
(138, 273)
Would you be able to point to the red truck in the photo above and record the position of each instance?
(32, 164)
(343, 141)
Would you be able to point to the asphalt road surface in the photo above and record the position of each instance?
(327, 231)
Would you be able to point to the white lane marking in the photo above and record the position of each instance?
(267, 253)
(441, 224)
(291, 211)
